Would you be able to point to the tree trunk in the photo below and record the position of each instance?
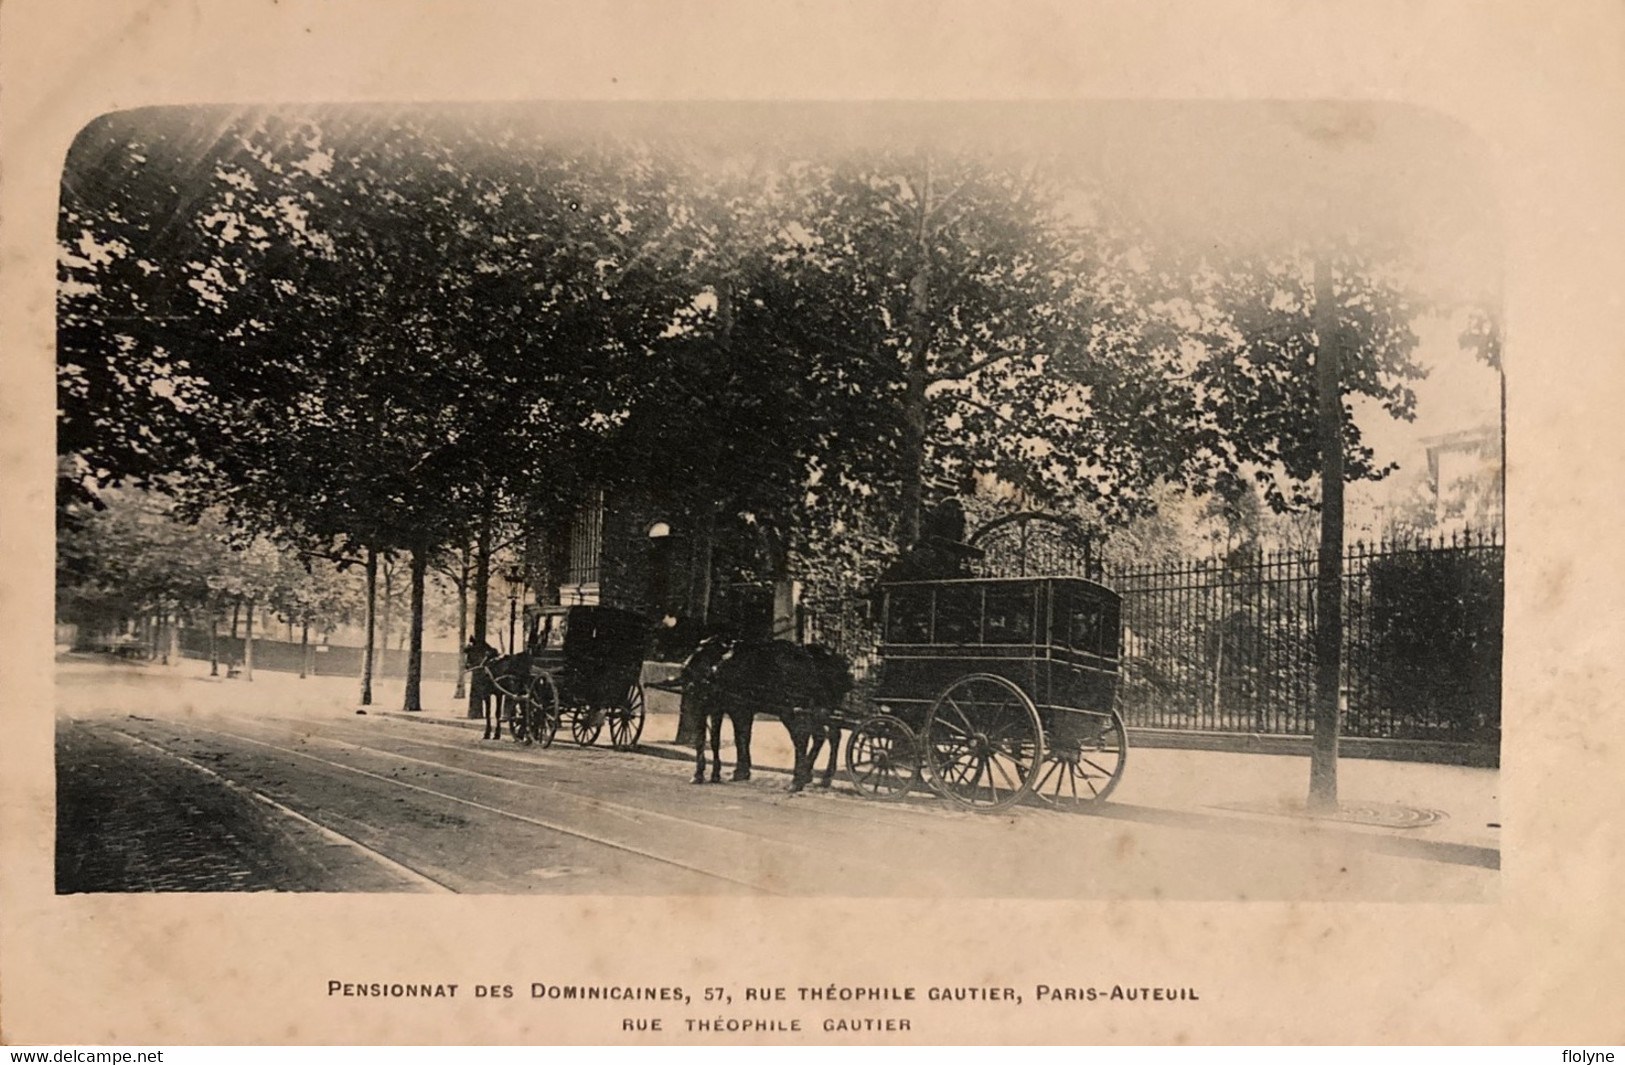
(462, 625)
(236, 608)
(699, 606)
(482, 591)
(175, 636)
(304, 649)
(214, 640)
(248, 642)
(389, 600)
(414, 652)
(1329, 577)
(372, 615)
(919, 346)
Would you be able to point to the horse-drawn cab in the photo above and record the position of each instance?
(586, 666)
(997, 689)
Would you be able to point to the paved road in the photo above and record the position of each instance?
(158, 792)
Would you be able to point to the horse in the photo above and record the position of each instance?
(493, 677)
(803, 686)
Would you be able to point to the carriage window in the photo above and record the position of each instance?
(959, 614)
(1092, 625)
(1009, 614)
(1086, 626)
(908, 615)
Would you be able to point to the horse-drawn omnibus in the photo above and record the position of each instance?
(994, 689)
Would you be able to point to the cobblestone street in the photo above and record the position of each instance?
(134, 819)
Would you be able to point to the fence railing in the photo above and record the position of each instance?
(1227, 644)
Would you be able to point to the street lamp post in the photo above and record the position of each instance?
(516, 581)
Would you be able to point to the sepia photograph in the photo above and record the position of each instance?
(889, 466)
(570, 526)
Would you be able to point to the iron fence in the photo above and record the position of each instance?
(1227, 644)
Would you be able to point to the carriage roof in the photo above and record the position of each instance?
(596, 634)
(1042, 579)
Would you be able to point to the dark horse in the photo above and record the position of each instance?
(803, 686)
(493, 677)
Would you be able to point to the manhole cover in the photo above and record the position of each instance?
(1378, 814)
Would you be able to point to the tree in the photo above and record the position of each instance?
(382, 325)
(130, 559)
(1285, 337)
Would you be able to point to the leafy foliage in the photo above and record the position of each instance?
(378, 327)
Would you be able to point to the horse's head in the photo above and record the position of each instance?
(702, 663)
(832, 673)
(479, 653)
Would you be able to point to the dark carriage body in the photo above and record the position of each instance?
(593, 653)
(1059, 639)
(1007, 687)
(586, 665)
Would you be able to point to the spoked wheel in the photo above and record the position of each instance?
(586, 722)
(626, 720)
(1084, 760)
(542, 709)
(883, 758)
(983, 742)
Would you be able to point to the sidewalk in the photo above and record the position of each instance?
(1452, 812)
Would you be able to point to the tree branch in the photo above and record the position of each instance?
(983, 407)
(979, 364)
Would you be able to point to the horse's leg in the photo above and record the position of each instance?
(714, 720)
(743, 718)
(702, 716)
(815, 744)
(832, 733)
(805, 742)
(801, 741)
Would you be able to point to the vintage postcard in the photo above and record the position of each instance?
(903, 525)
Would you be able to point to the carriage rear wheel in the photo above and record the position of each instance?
(542, 709)
(883, 758)
(983, 742)
(586, 722)
(1084, 759)
(626, 720)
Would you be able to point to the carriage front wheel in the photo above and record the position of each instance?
(542, 709)
(983, 742)
(883, 758)
(626, 720)
(1084, 758)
